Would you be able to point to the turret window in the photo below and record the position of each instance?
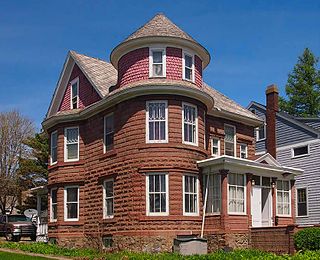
(190, 124)
(157, 66)
(157, 121)
(71, 143)
(188, 66)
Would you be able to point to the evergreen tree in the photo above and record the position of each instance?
(303, 88)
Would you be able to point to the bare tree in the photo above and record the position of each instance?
(14, 131)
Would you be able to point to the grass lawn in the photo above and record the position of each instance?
(13, 256)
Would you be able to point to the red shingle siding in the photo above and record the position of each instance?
(133, 66)
(87, 94)
(174, 63)
(198, 71)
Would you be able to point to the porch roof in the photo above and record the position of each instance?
(239, 165)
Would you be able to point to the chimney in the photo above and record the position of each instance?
(272, 96)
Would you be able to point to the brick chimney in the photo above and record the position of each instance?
(272, 96)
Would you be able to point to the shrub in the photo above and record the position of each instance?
(307, 239)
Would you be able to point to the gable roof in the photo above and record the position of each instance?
(288, 117)
(160, 25)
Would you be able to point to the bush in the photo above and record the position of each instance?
(307, 239)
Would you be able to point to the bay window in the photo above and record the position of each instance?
(157, 121)
(71, 142)
(190, 124)
(54, 205)
(283, 198)
(190, 195)
(71, 203)
(236, 193)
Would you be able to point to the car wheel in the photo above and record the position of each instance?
(16, 238)
(9, 236)
(33, 238)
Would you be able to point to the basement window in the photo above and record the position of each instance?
(300, 151)
(107, 241)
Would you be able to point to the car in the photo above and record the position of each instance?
(13, 227)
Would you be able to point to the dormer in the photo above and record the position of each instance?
(159, 51)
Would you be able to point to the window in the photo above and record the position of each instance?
(213, 193)
(71, 144)
(190, 195)
(215, 146)
(157, 122)
(243, 151)
(108, 132)
(300, 151)
(71, 204)
(229, 140)
(190, 124)
(236, 187)
(54, 204)
(261, 132)
(302, 205)
(54, 146)
(157, 194)
(75, 93)
(157, 67)
(108, 199)
(283, 198)
(188, 67)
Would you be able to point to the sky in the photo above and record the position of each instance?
(252, 43)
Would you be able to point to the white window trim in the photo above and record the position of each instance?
(65, 145)
(166, 123)
(219, 151)
(196, 117)
(290, 204)
(65, 204)
(55, 162)
(183, 193)
(184, 52)
(257, 133)
(164, 63)
(235, 140)
(148, 213)
(76, 80)
(51, 211)
(204, 190)
(246, 150)
(105, 216)
(104, 131)
(245, 197)
(307, 201)
(302, 155)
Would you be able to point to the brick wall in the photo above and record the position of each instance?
(87, 94)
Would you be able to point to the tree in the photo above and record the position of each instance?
(14, 131)
(303, 88)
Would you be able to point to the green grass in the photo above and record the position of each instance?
(86, 254)
(14, 256)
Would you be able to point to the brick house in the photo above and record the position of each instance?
(141, 144)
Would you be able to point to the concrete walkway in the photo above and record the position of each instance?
(33, 254)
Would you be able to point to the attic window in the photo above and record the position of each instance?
(75, 93)
(157, 66)
(300, 151)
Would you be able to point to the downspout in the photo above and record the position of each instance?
(204, 207)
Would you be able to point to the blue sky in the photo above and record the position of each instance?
(252, 43)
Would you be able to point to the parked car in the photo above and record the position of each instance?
(13, 227)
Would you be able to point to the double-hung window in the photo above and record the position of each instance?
(261, 132)
(54, 148)
(74, 93)
(236, 196)
(108, 199)
(302, 205)
(108, 132)
(189, 124)
(157, 67)
(215, 146)
(54, 205)
(188, 66)
(230, 140)
(71, 142)
(157, 194)
(190, 195)
(157, 121)
(71, 203)
(243, 151)
(283, 198)
(213, 193)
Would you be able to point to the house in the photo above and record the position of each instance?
(143, 151)
(297, 145)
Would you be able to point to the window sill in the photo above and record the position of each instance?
(66, 223)
(108, 220)
(108, 154)
(157, 77)
(66, 164)
(300, 156)
(173, 145)
(170, 218)
(189, 80)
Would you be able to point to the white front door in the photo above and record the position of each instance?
(256, 211)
